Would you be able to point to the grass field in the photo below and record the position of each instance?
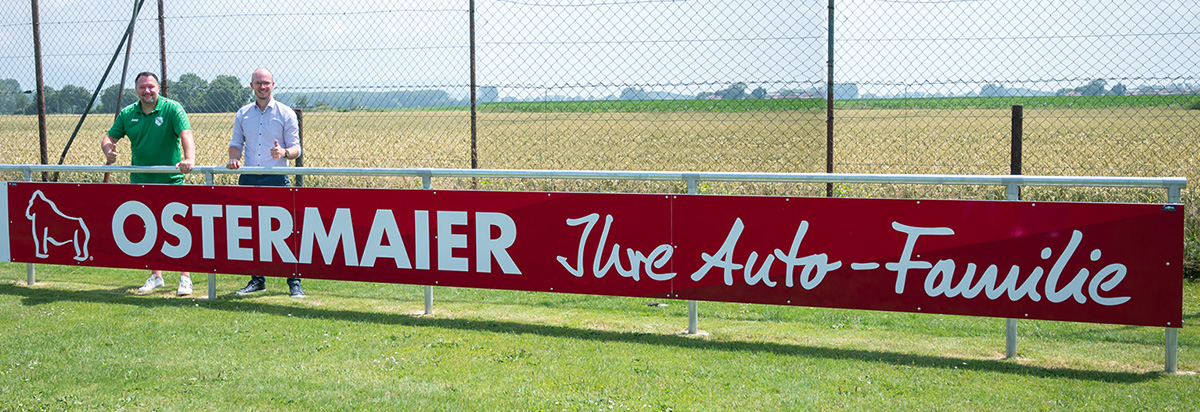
(81, 339)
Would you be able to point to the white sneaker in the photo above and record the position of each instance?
(185, 285)
(153, 282)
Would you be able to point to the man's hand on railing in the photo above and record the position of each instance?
(110, 155)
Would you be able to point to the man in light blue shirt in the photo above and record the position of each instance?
(267, 134)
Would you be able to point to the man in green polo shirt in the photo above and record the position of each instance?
(159, 135)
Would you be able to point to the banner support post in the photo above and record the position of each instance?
(1010, 324)
(1172, 358)
(693, 306)
(30, 279)
(1172, 355)
(212, 277)
(427, 183)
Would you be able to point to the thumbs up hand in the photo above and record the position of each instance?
(278, 152)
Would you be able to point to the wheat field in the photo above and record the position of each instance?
(1155, 141)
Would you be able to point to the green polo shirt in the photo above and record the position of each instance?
(153, 138)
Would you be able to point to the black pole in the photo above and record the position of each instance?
(474, 141)
(300, 159)
(137, 7)
(1018, 120)
(40, 97)
(125, 65)
(162, 49)
(829, 109)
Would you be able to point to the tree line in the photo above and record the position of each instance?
(222, 95)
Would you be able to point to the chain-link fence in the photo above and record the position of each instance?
(707, 85)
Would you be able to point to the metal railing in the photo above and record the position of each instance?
(1172, 184)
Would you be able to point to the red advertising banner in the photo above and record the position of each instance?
(1088, 262)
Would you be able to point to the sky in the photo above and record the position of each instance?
(578, 48)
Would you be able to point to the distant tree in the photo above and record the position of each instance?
(71, 99)
(843, 91)
(759, 93)
(12, 99)
(189, 91)
(225, 94)
(488, 94)
(633, 93)
(301, 102)
(991, 90)
(734, 91)
(1095, 88)
(108, 99)
(1118, 90)
(49, 96)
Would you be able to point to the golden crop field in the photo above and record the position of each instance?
(1158, 141)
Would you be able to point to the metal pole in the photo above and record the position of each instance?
(474, 141)
(1172, 350)
(1014, 193)
(427, 183)
(162, 49)
(125, 65)
(1018, 132)
(40, 98)
(1172, 355)
(29, 276)
(693, 306)
(1010, 324)
(829, 108)
(209, 178)
(212, 286)
(300, 159)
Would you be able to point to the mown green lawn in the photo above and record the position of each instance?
(82, 339)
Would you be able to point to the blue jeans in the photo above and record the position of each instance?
(264, 180)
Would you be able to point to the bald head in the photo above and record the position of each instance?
(263, 84)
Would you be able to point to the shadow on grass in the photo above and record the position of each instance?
(36, 296)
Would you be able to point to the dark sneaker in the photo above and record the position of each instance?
(253, 286)
(295, 290)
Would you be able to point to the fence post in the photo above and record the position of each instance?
(300, 159)
(693, 306)
(829, 108)
(40, 96)
(162, 47)
(427, 183)
(1018, 140)
(474, 145)
(1014, 193)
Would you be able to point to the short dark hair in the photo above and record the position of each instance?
(144, 74)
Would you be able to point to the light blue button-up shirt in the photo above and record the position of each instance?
(256, 131)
